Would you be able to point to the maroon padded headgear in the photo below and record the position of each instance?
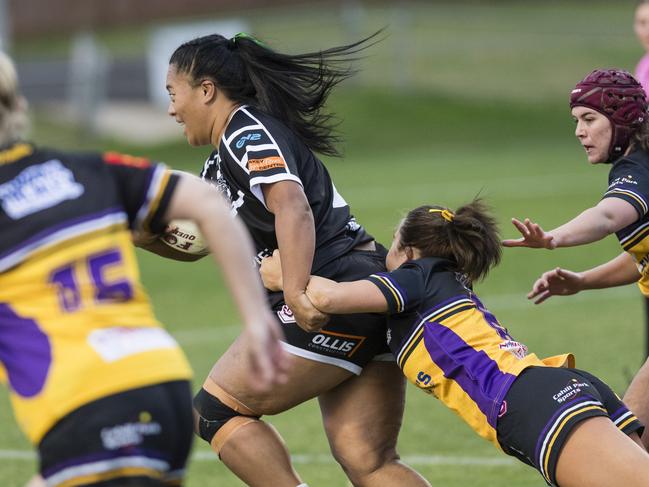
(619, 97)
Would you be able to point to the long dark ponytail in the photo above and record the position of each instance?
(468, 238)
(291, 88)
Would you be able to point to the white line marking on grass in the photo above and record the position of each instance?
(17, 455)
(323, 459)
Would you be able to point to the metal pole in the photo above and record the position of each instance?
(87, 79)
(5, 33)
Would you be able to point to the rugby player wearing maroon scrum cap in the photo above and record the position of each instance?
(610, 109)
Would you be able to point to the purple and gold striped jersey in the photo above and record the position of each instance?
(75, 322)
(449, 345)
(629, 180)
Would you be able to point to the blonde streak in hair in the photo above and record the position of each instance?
(8, 78)
(13, 119)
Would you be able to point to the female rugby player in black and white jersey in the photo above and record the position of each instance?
(262, 112)
(610, 110)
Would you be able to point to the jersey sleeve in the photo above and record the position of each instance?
(630, 182)
(402, 288)
(266, 157)
(145, 189)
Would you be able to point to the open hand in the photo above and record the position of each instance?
(557, 282)
(532, 236)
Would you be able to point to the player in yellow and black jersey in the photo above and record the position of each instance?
(610, 109)
(565, 422)
(95, 382)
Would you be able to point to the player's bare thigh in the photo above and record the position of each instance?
(379, 392)
(306, 379)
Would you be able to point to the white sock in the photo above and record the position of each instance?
(302, 485)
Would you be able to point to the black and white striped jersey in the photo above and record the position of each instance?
(257, 149)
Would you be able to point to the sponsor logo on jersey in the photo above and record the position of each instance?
(423, 381)
(503, 409)
(571, 390)
(336, 343)
(37, 188)
(126, 160)
(212, 173)
(423, 378)
(117, 343)
(247, 138)
(464, 280)
(515, 348)
(262, 254)
(129, 434)
(352, 225)
(623, 180)
(285, 315)
(265, 164)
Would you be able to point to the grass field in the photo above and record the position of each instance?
(430, 146)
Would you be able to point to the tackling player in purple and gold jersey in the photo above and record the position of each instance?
(456, 350)
(542, 411)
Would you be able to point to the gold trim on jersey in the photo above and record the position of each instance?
(636, 237)
(15, 153)
(156, 189)
(396, 294)
(631, 195)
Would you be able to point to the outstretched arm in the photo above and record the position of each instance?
(152, 243)
(345, 297)
(609, 216)
(233, 251)
(619, 271)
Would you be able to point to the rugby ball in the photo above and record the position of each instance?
(186, 237)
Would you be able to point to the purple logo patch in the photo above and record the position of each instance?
(25, 352)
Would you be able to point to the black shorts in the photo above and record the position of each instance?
(140, 437)
(543, 406)
(348, 341)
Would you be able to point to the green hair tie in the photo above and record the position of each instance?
(245, 35)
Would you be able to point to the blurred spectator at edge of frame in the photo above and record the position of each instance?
(641, 29)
